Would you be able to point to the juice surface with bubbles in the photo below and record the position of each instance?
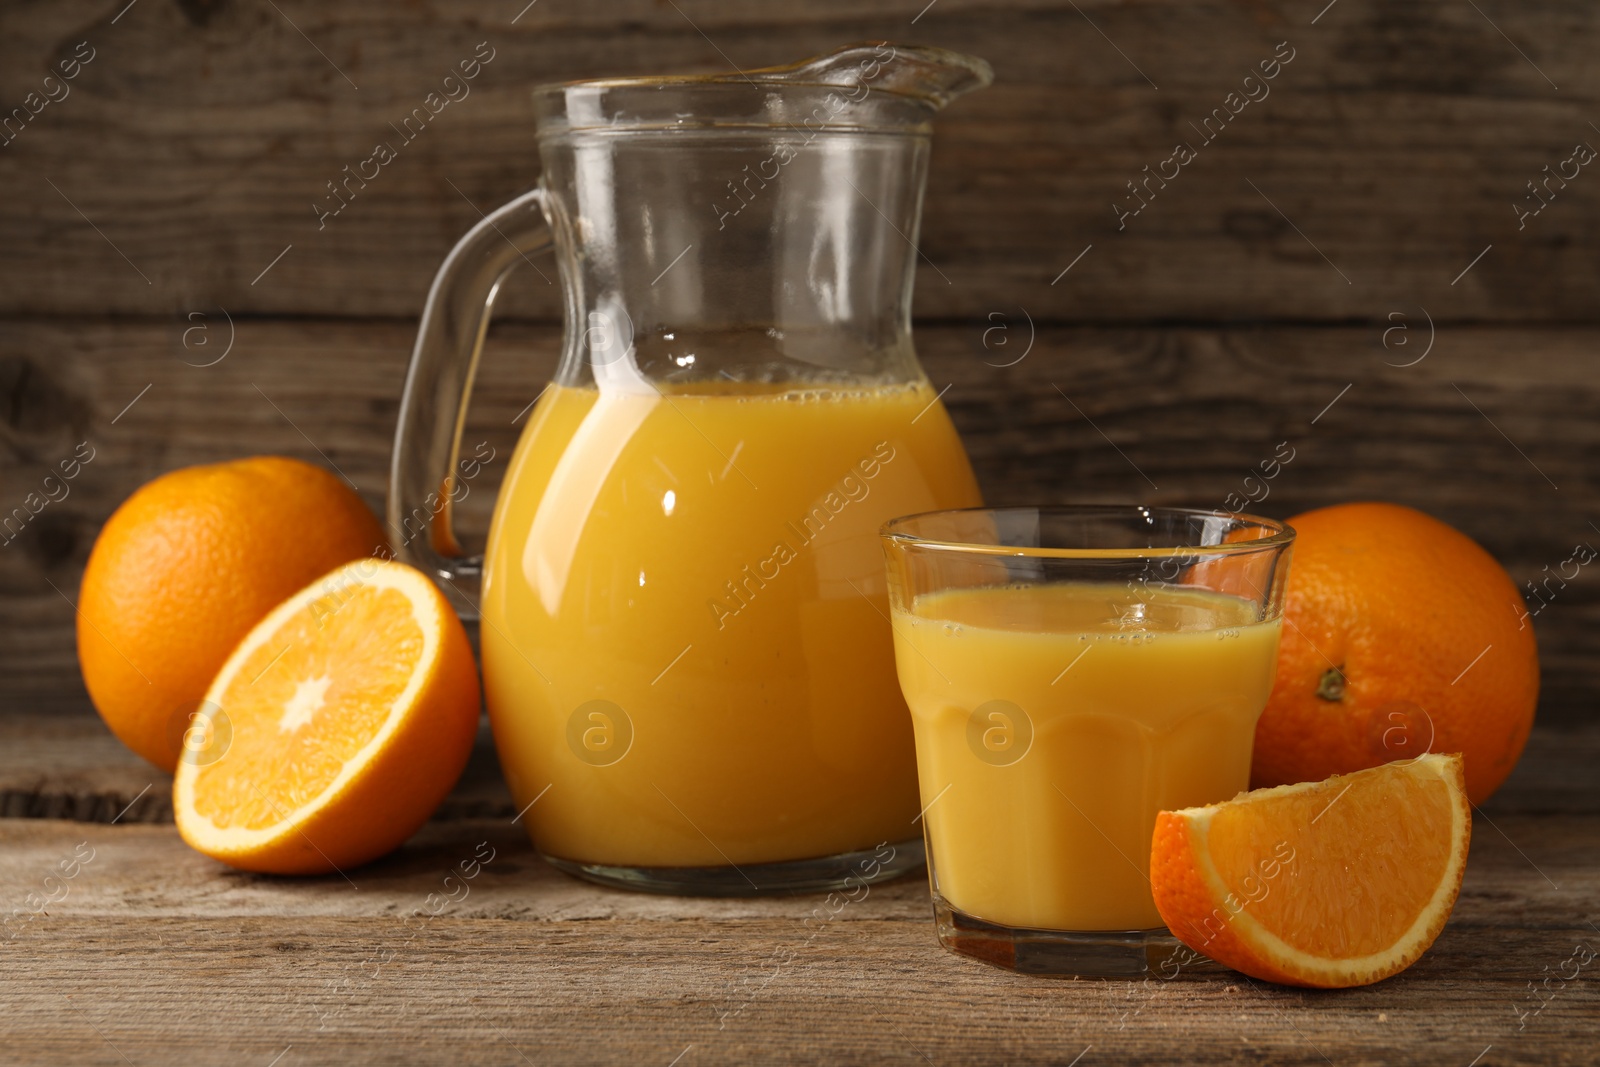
(685, 631)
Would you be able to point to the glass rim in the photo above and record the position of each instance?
(1279, 533)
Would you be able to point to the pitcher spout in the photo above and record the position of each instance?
(873, 86)
(935, 76)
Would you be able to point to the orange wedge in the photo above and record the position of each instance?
(1330, 884)
(334, 729)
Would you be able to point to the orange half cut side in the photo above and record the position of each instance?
(334, 729)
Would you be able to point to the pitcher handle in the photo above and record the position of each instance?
(427, 437)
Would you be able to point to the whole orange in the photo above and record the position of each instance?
(1401, 635)
(186, 566)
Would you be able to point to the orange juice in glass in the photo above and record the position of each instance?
(1070, 673)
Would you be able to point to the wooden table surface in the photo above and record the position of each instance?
(151, 953)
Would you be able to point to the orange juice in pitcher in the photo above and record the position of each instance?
(687, 656)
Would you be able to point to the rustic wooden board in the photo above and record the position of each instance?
(1493, 431)
(1389, 154)
(157, 954)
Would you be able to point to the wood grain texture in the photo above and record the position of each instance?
(1388, 155)
(1492, 432)
(157, 954)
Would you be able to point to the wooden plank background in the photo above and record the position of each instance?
(1330, 235)
(1174, 415)
(1395, 142)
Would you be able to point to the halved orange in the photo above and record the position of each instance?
(1336, 883)
(334, 729)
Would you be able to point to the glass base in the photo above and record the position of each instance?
(845, 870)
(1067, 953)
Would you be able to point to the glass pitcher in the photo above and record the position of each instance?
(687, 656)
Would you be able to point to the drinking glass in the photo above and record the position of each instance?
(1072, 671)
